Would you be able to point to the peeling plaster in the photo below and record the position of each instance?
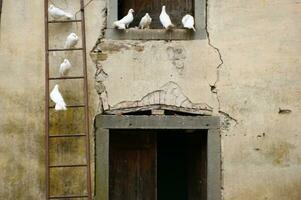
(170, 96)
(177, 56)
(100, 76)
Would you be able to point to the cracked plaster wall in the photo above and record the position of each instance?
(247, 70)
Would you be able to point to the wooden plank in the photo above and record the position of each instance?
(197, 169)
(102, 164)
(200, 16)
(186, 111)
(112, 14)
(214, 165)
(156, 122)
(132, 165)
(152, 34)
(158, 112)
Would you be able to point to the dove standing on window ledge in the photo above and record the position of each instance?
(71, 41)
(165, 19)
(188, 22)
(125, 21)
(57, 13)
(65, 67)
(57, 98)
(145, 21)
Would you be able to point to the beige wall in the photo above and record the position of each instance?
(22, 92)
(259, 42)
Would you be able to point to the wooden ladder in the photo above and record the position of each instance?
(49, 136)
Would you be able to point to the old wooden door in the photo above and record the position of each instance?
(132, 165)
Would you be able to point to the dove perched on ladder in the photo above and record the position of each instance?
(65, 67)
(125, 21)
(57, 98)
(71, 41)
(57, 13)
(165, 19)
(188, 22)
(145, 21)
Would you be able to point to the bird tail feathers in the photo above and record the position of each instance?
(69, 16)
(171, 26)
(119, 25)
(60, 107)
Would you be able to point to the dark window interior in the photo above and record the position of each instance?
(169, 164)
(175, 8)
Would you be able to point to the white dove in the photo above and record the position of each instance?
(165, 19)
(188, 22)
(57, 13)
(145, 21)
(57, 98)
(125, 21)
(71, 41)
(65, 67)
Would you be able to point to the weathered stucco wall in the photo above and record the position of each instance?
(259, 44)
(22, 94)
(246, 71)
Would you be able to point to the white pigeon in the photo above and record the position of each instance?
(65, 67)
(57, 98)
(165, 19)
(145, 21)
(71, 41)
(188, 22)
(57, 13)
(125, 21)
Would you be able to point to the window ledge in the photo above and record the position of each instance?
(154, 34)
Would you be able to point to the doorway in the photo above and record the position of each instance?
(157, 164)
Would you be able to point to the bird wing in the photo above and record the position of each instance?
(57, 12)
(143, 21)
(190, 22)
(70, 42)
(127, 19)
(165, 20)
(64, 68)
(184, 19)
(56, 96)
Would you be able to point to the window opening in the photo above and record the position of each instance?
(176, 9)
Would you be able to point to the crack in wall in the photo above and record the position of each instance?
(213, 87)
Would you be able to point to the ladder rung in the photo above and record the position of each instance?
(63, 166)
(73, 49)
(67, 135)
(66, 77)
(71, 106)
(69, 196)
(64, 21)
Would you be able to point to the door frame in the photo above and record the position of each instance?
(104, 123)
